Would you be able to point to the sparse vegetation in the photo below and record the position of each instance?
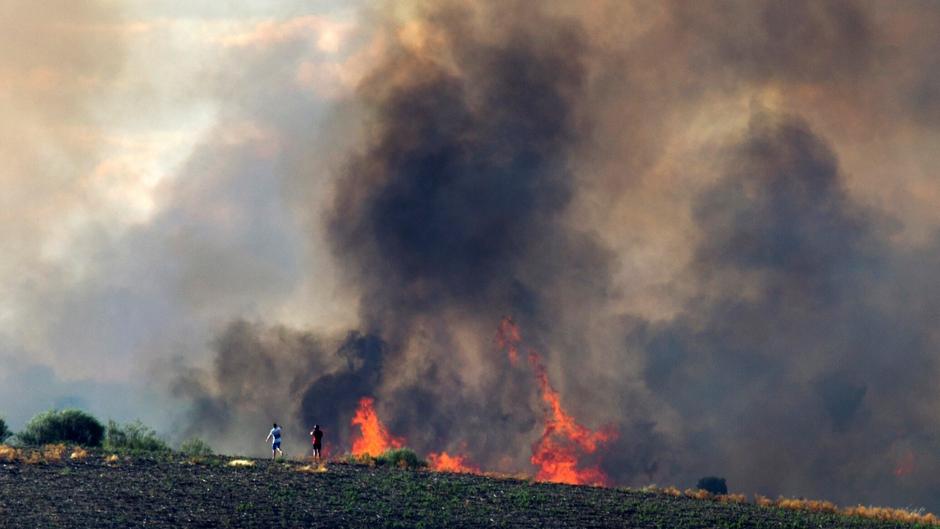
(167, 492)
(713, 484)
(4, 431)
(65, 426)
(196, 447)
(133, 437)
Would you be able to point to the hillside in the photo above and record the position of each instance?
(174, 492)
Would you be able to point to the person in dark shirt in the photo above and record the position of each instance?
(316, 435)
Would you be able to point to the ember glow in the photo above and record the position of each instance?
(508, 338)
(444, 462)
(905, 465)
(373, 438)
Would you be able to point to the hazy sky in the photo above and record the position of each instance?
(143, 198)
(718, 222)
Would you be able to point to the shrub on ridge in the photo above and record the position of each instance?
(65, 426)
(133, 437)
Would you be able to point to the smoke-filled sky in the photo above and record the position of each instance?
(717, 222)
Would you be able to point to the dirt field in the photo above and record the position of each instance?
(173, 492)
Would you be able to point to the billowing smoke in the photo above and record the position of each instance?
(790, 357)
(678, 205)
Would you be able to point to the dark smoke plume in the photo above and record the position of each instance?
(525, 159)
(787, 361)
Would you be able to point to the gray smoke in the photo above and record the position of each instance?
(679, 206)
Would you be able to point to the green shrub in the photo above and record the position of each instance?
(196, 447)
(133, 437)
(4, 430)
(402, 458)
(65, 426)
(713, 484)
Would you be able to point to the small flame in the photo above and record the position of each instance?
(374, 439)
(444, 462)
(509, 338)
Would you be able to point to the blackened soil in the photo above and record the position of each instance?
(173, 492)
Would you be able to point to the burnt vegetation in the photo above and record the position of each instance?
(179, 491)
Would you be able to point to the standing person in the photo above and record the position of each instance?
(316, 435)
(275, 436)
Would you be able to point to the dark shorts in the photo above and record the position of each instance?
(276, 444)
(316, 446)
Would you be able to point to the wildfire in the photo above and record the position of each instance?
(444, 462)
(564, 441)
(509, 338)
(373, 438)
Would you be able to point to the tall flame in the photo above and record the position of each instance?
(564, 441)
(444, 462)
(373, 438)
(556, 453)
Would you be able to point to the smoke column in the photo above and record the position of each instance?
(677, 204)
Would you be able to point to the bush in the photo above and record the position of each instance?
(196, 447)
(66, 426)
(133, 437)
(713, 484)
(402, 458)
(4, 431)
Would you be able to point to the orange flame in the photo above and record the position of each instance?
(508, 338)
(444, 462)
(564, 441)
(373, 439)
(556, 453)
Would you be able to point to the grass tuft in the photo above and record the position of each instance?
(8, 454)
(240, 463)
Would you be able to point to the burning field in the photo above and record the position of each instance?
(171, 491)
(557, 455)
(603, 243)
(697, 279)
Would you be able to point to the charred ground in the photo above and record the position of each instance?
(172, 491)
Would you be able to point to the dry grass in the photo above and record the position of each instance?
(53, 453)
(240, 463)
(892, 515)
(698, 494)
(876, 513)
(34, 458)
(763, 501)
(799, 504)
(78, 454)
(113, 458)
(731, 498)
(8, 454)
(312, 468)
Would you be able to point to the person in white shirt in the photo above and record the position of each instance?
(275, 436)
